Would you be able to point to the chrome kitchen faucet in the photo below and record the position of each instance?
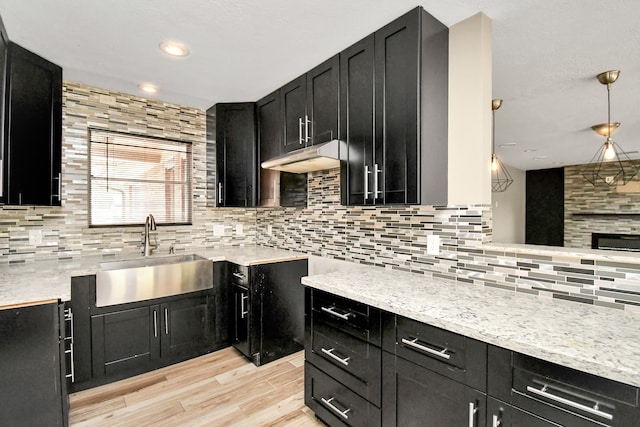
(149, 225)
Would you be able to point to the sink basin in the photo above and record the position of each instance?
(139, 279)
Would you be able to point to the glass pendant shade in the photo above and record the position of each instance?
(500, 176)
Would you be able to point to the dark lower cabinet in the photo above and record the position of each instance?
(415, 396)
(115, 342)
(130, 341)
(335, 404)
(32, 382)
(500, 414)
(266, 307)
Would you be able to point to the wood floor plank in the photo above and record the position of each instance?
(218, 389)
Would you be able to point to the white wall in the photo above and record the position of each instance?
(470, 93)
(508, 210)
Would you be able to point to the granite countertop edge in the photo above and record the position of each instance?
(597, 340)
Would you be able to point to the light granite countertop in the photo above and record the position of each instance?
(40, 281)
(597, 340)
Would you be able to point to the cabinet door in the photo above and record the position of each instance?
(396, 105)
(293, 104)
(33, 129)
(322, 101)
(30, 378)
(500, 414)
(125, 342)
(236, 154)
(186, 328)
(415, 396)
(356, 121)
(270, 143)
(240, 310)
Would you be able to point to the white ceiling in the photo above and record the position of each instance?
(546, 55)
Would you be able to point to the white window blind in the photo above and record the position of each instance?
(133, 176)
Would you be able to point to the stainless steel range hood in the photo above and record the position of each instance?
(309, 159)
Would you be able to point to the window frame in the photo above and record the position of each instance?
(189, 167)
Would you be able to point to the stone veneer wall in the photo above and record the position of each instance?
(65, 229)
(396, 237)
(583, 199)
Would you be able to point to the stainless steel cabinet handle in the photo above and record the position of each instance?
(414, 343)
(243, 312)
(166, 321)
(220, 192)
(300, 140)
(238, 275)
(472, 414)
(329, 353)
(155, 323)
(59, 195)
(592, 410)
(376, 190)
(366, 182)
(495, 421)
(307, 122)
(1, 177)
(343, 316)
(334, 408)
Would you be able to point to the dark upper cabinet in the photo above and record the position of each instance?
(357, 120)
(32, 129)
(293, 103)
(393, 114)
(310, 106)
(236, 154)
(323, 101)
(276, 188)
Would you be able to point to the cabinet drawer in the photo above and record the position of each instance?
(354, 362)
(334, 403)
(561, 394)
(445, 352)
(357, 319)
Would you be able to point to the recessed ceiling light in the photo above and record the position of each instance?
(557, 163)
(540, 158)
(148, 88)
(174, 48)
(529, 150)
(507, 145)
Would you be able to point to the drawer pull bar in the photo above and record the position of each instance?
(343, 316)
(495, 421)
(329, 353)
(238, 275)
(333, 407)
(413, 343)
(595, 410)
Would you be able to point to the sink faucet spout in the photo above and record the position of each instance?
(149, 225)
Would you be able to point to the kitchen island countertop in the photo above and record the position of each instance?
(42, 281)
(598, 340)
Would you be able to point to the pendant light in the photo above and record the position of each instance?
(610, 165)
(500, 176)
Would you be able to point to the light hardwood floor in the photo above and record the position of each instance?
(218, 389)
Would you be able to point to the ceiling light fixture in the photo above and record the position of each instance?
(610, 165)
(174, 48)
(148, 88)
(500, 176)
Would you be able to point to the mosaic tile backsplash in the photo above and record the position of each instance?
(393, 237)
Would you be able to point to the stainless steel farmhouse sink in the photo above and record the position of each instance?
(120, 282)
